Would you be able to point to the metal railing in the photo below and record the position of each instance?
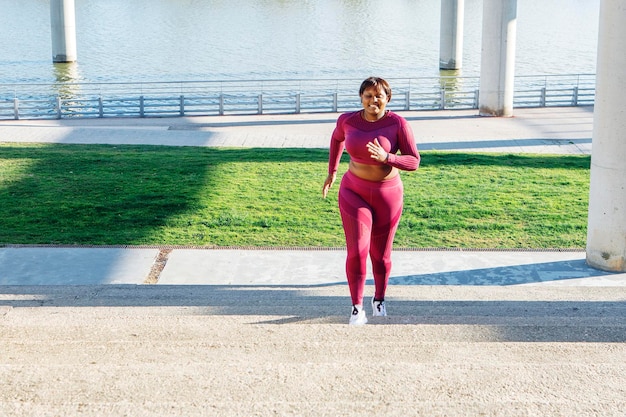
(207, 98)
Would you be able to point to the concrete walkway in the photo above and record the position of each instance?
(24, 265)
(535, 130)
(120, 331)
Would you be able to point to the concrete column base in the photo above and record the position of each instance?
(606, 231)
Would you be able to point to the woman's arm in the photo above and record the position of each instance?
(337, 145)
(409, 158)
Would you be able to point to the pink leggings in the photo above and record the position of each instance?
(370, 212)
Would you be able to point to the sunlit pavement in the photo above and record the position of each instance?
(533, 130)
(24, 265)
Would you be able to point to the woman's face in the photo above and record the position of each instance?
(374, 101)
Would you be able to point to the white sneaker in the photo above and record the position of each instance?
(378, 308)
(358, 317)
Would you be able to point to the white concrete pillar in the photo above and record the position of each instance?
(63, 23)
(497, 64)
(606, 229)
(451, 34)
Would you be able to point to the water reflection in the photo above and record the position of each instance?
(455, 87)
(67, 78)
(66, 88)
(449, 78)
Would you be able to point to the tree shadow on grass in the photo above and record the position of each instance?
(443, 159)
(82, 194)
(503, 144)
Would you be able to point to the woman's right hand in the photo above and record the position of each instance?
(330, 179)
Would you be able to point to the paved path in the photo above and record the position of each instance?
(536, 130)
(192, 332)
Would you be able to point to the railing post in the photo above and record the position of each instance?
(335, 102)
(221, 101)
(100, 107)
(542, 99)
(298, 103)
(476, 97)
(442, 97)
(59, 113)
(182, 105)
(407, 100)
(16, 108)
(575, 96)
(260, 100)
(141, 109)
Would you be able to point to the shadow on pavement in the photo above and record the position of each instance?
(503, 315)
(507, 275)
(504, 143)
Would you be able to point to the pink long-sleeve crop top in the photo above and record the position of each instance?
(392, 131)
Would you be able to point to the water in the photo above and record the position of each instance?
(181, 40)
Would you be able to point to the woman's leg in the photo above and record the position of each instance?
(356, 216)
(387, 213)
(380, 253)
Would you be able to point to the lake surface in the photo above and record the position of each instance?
(181, 40)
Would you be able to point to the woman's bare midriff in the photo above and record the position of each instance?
(372, 172)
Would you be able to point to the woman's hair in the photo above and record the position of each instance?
(377, 83)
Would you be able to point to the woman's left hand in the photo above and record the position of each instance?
(377, 152)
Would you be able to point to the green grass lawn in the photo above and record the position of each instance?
(149, 195)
